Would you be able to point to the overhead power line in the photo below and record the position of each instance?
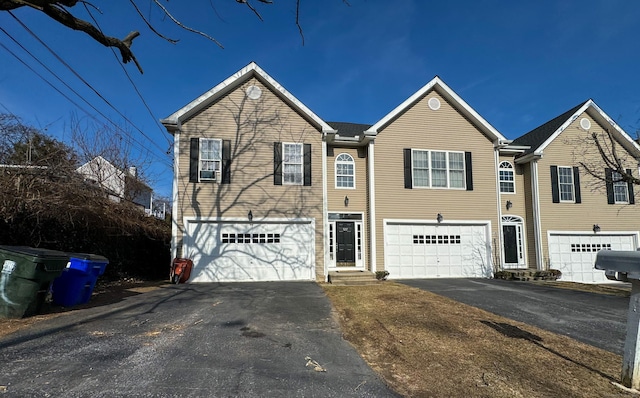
(131, 139)
(86, 82)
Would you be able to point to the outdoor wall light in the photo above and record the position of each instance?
(346, 201)
(509, 204)
(439, 218)
(596, 228)
(250, 216)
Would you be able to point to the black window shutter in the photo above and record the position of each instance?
(608, 177)
(226, 161)
(469, 170)
(277, 163)
(408, 178)
(632, 199)
(555, 190)
(194, 157)
(307, 164)
(576, 184)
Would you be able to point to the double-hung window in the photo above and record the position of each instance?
(620, 188)
(210, 158)
(345, 171)
(438, 169)
(565, 184)
(506, 175)
(292, 164)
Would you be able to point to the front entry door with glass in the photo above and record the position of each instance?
(345, 244)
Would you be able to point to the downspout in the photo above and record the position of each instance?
(499, 247)
(372, 207)
(537, 225)
(325, 209)
(174, 197)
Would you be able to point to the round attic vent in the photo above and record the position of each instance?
(434, 104)
(585, 123)
(253, 92)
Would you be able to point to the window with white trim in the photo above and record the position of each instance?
(565, 184)
(506, 175)
(345, 171)
(292, 164)
(210, 158)
(438, 169)
(620, 188)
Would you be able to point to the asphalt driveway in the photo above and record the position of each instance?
(199, 340)
(596, 319)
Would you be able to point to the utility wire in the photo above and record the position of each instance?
(85, 82)
(132, 140)
(113, 51)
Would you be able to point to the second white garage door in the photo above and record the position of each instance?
(437, 251)
(574, 254)
(264, 251)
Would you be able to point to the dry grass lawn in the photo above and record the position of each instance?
(425, 345)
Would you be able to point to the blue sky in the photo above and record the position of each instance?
(517, 63)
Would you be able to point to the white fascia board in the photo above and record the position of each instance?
(615, 126)
(435, 222)
(450, 95)
(232, 82)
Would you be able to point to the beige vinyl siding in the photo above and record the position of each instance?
(357, 196)
(445, 130)
(527, 194)
(252, 126)
(568, 149)
(518, 200)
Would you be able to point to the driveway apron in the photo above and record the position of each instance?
(194, 340)
(596, 319)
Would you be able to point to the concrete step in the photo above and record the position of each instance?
(352, 278)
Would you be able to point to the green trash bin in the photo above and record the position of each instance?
(25, 278)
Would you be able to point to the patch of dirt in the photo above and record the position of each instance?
(423, 344)
(104, 293)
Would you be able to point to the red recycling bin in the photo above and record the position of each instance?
(180, 270)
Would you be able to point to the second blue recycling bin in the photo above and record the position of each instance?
(76, 283)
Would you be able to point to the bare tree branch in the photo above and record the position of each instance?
(170, 40)
(180, 24)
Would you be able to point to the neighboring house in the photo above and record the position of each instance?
(119, 184)
(266, 190)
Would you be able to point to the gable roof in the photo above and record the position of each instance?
(345, 129)
(173, 122)
(540, 137)
(437, 84)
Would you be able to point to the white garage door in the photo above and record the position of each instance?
(233, 252)
(437, 251)
(575, 254)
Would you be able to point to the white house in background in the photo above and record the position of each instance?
(119, 184)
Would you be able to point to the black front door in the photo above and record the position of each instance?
(345, 242)
(510, 235)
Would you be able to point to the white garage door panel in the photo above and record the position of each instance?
(225, 252)
(436, 251)
(574, 255)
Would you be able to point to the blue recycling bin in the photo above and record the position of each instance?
(76, 283)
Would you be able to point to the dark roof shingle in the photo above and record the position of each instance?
(349, 129)
(539, 135)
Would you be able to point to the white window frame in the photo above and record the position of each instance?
(215, 160)
(571, 183)
(288, 161)
(430, 170)
(618, 182)
(506, 168)
(347, 160)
